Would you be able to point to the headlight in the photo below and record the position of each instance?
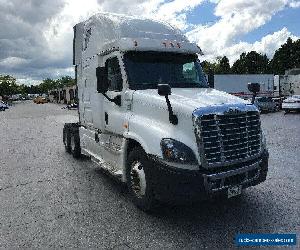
(175, 151)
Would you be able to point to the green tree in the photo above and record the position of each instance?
(286, 57)
(296, 54)
(66, 81)
(208, 66)
(22, 89)
(8, 85)
(222, 66)
(34, 89)
(47, 85)
(238, 66)
(251, 63)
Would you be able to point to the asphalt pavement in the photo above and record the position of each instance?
(50, 200)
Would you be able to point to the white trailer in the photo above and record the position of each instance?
(237, 84)
(290, 82)
(191, 144)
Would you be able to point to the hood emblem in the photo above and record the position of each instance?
(232, 111)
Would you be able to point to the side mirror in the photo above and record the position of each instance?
(254, 87)
(102, 81)
(164, 89)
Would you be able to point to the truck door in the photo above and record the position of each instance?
(114, 114)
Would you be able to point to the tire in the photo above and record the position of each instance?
(139, 181)
(67, 138)
(286, 111)
(75, 142)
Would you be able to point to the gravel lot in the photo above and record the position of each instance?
(48, 199)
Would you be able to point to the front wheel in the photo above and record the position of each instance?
(139, 181)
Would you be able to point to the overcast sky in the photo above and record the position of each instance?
(36, 35)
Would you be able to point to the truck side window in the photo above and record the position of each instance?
(114, 74)
(87, 38)
(189, 72)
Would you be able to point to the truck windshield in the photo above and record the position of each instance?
(147, 69)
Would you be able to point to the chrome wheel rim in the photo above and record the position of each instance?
(138, 179)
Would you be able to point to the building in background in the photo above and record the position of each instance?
(65, 95)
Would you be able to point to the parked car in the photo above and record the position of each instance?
(40, 100)
(291, 103)
(278, 101)
(72, 106)
(266, 104)
(3, 106)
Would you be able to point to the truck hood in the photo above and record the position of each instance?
(186, 100)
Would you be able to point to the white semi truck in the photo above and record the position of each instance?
(148, 117)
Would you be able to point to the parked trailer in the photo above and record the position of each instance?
(289, 83)
(237, 84)
(148, 117)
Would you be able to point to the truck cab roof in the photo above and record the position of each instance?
(105, 32)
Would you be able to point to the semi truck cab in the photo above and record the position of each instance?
(148, 117)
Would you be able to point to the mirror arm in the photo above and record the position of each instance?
(253, 97)
(116, 100)
(172, 118)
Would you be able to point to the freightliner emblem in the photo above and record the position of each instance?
(232, 111)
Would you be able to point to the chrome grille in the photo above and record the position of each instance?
(226, 137)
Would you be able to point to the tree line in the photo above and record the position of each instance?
(9, 85)
(286, 57)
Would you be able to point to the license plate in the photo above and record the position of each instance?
(234, 191)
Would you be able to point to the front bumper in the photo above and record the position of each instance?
(173, 184)
(291, 106)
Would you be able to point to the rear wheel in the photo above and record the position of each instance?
(75, 142)
(67, 138)
(139, 181)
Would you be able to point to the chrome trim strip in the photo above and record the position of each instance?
(221, 109)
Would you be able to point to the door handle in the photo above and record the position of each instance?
(106, 118)
(96, 137)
